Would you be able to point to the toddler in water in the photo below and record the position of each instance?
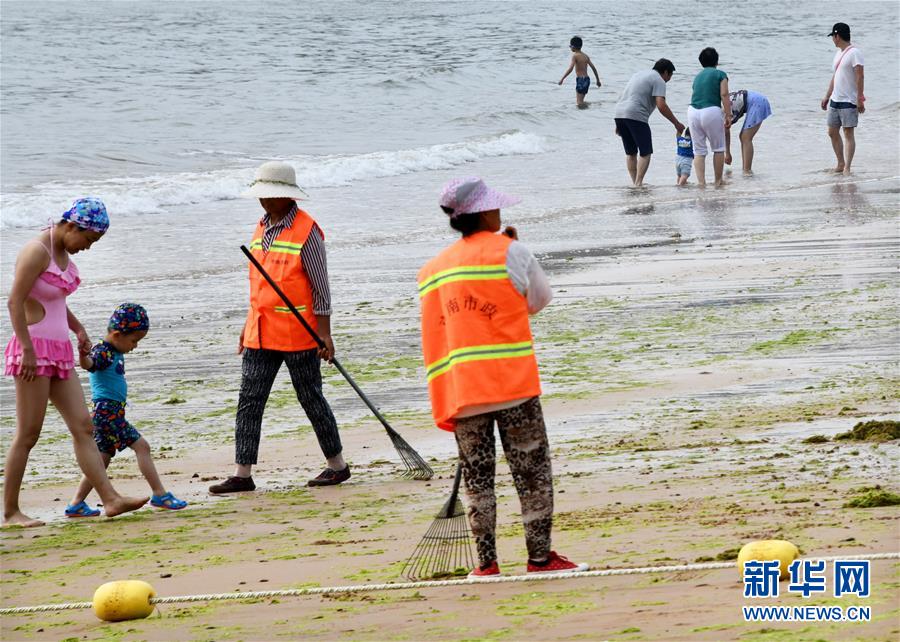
(106, 363)
(685, 157)
(580, 62)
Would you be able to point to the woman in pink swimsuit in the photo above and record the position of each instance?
(40, 357)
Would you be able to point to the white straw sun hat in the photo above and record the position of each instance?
(275, 179)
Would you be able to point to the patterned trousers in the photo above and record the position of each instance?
(258, 371)
(524, 439)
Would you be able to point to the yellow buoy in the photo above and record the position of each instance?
(123, 600)
(768, 550)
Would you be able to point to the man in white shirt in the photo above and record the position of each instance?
(844, 99)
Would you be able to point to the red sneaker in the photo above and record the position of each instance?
(493, 570)
(556, 564)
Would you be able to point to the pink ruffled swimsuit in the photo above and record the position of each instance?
(50, 335)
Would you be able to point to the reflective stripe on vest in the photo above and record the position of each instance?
(270, 324)
(476, 336)
(478, 353)
(463, 273)
(282, 247)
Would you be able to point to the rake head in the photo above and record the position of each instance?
(446, 549)
(416, 467)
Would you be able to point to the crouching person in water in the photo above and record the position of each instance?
(756, 108)
(476, 296)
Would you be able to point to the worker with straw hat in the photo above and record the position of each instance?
(290, 246)
(476, 296)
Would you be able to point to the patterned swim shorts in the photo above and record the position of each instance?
(582, 84)
(111, 431)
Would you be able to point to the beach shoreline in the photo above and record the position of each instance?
(710, 361)
(681, 381)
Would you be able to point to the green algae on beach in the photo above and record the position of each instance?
(872, 431)
(873, 498)
(793, 339)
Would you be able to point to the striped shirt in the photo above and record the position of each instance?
(312, 255)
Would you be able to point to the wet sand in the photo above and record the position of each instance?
(681, 377)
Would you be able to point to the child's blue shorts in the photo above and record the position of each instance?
(582, 84)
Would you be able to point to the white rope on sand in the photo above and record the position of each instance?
(402, 586)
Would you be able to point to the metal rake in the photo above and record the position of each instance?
(446, 549)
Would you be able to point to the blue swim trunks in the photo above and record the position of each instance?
(111, 431)
(582, 84)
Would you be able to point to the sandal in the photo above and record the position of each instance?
(81, 510)
(168, 501)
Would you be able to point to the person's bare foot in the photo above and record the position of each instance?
(748, 172)
(846, 171)
(123, 505)
(21, 519)
(838, 170)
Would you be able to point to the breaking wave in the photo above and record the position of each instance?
(149, 194)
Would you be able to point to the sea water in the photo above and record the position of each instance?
(164, 109)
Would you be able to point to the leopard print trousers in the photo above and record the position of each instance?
(524, 438)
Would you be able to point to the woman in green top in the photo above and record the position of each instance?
(706, 118)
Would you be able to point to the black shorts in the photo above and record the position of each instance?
(635, 136)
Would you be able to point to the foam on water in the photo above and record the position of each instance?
(128, 195)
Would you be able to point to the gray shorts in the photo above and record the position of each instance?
(683, 165)
(846, 117)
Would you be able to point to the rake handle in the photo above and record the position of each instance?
(448, 510)
(315, 336)
(454, 494)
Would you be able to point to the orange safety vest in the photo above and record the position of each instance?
(476, 337)
(270, 324)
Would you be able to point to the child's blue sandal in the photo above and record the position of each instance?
(81, 510)
(168, 501)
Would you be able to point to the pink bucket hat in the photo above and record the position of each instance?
(471, 195)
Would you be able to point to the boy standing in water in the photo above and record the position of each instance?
(580, 62)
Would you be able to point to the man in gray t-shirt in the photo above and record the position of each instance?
(639, 98)
(645, 92)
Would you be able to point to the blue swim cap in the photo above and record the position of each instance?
(88, 214)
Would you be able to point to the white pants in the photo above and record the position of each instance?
(707, 123)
